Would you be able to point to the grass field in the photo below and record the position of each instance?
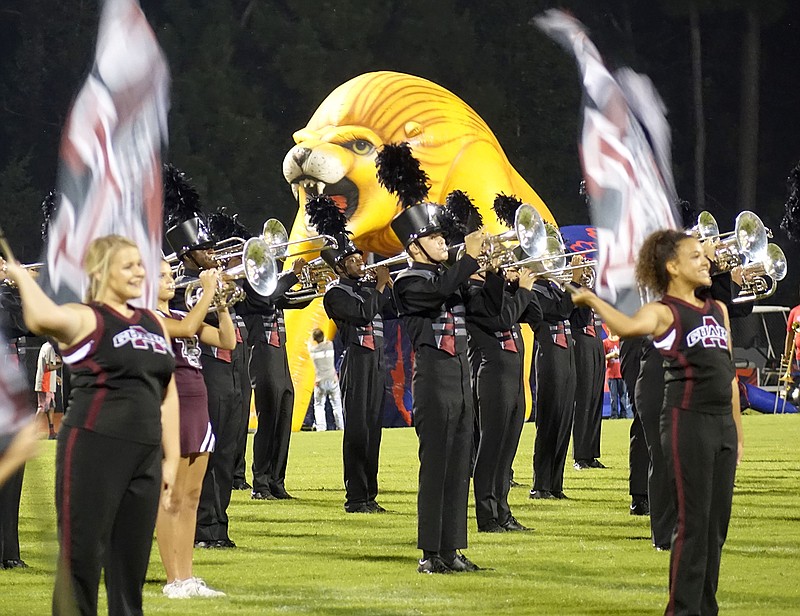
(587, 555)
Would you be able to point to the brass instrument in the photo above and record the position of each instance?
(551, 259)
(369, 270)
(274, 234)
(314, 278)
(786, 362)
(257, 267)
(33, 268)
(747, 242)
(755, 286)
(499, 250)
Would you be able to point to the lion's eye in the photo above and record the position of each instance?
(359, 146)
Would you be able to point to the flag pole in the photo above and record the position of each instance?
(4, 246)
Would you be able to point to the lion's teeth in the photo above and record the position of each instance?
(296, 191)
(320, 187)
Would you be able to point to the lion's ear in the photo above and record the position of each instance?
(412, 129)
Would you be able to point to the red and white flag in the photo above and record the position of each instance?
(15, 408)
(625, 154)
(110, 157)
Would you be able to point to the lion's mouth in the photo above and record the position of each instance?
(344, 192)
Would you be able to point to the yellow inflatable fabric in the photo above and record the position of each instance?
(335, 154)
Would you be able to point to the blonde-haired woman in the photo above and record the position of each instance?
(117, 450)
(175, 528)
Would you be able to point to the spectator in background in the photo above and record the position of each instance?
(46, 383)
(326, 382)
(620, 403)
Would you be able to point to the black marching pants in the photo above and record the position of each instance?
(590, 372)
(443, 419)
(274, 400)
(649, 402)
(630, 351)
(224, 411)
(241, 360)
(501, 401)
(10, 494)
(107, 492)
(555, 408)
(701, 459)
(363, 377)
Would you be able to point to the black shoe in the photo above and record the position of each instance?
(595, 463)
(281, 494)
(359, 508)
(512, 524)
(491, 527)
(461, 563)
(640, 506)
(662, 547)
(242, 485)
(262, 495)
(514, 484)
(225, 543)
(375, 507)
(582, 465)
(206, 544)
(540, 494)
(559, 495)
(434, 564)
(15, 563)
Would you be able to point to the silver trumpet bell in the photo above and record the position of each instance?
(274, 234)
(746, 243)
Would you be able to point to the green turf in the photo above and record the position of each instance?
(587, 555)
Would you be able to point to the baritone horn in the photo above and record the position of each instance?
(760, 277)
(257, 266)
(314, 278)
(746, 243)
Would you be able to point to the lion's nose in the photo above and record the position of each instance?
(300, 155)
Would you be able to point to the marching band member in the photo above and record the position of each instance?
(357, 307)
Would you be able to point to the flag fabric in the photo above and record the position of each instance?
(109, 178)
(626, 161)
(15, 409)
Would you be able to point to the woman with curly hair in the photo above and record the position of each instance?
(701, 429)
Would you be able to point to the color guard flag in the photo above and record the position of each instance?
(110, 157)
(14, 407)
(625, 155)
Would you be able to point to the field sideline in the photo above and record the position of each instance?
(587, 555)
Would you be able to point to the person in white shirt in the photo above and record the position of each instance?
(46, 382)
(326, 383)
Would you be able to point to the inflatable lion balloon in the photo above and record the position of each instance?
(335, 154)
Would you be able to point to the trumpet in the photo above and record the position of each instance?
(257, 267)
(33, 268)
(369, 270)
(314, 278)
(755, 286)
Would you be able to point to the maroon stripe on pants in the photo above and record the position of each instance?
(66, 522)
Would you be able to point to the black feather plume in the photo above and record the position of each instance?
(505, 207)
(325, 216)
(224, 226)
(49, 206)
(791, 219)
(452, 230)
(688, 213)
(400, 173)
(463, 210)
(181, 201)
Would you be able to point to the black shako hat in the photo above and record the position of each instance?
(400, 173)
(184, 220)
(326, 217)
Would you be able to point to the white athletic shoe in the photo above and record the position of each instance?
(198, 588)
(179, 589)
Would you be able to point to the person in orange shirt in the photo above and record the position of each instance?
(46, 382)
(620, 403)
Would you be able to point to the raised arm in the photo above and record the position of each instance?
(651, 320)
(191, 323)
(67, 323)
